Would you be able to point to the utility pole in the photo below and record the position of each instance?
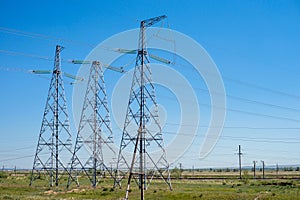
(263, 169)
(254, 168)
(111, 168)
(277, 169)
(240, 161)
(193, 171)
(180, 169)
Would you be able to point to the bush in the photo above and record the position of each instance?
(3, 175)
(7, 197)
(176, 172)
(246, 177)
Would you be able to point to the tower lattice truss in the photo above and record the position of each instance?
(93, 150)
(142, 133)
(54, 143)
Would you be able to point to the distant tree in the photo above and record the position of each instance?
(176, 172)
(288, 168)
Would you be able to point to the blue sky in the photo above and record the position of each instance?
(255, 45)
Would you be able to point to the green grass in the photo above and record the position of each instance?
(16, 187)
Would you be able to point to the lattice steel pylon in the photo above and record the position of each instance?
(94, 136)
(54, 143)
(142, 128)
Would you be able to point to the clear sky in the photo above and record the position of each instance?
(255, 45)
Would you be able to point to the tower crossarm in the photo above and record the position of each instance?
(149, 22)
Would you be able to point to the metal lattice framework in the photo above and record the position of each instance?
(94, 136)
(54, 143)
(142, 132)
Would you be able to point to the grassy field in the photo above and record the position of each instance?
(15, 186)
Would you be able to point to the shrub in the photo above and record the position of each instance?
(176, 172)
(7, 197)
(246, 176)
(3, 175)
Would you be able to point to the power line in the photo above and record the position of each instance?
(239, 82)
(14, 53)
(252, 113)
(260, 87)
(262, 115)
(245, 100)
(18, 158)
(235, 127)
(200, 89)
(49, 37)
(251, 101)
(18, 149)
(42, 36)
(13, 69)
(263, 140)
(241, 111)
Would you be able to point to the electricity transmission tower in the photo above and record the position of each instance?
(142, 131)
(94, 136)
(54, 143)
